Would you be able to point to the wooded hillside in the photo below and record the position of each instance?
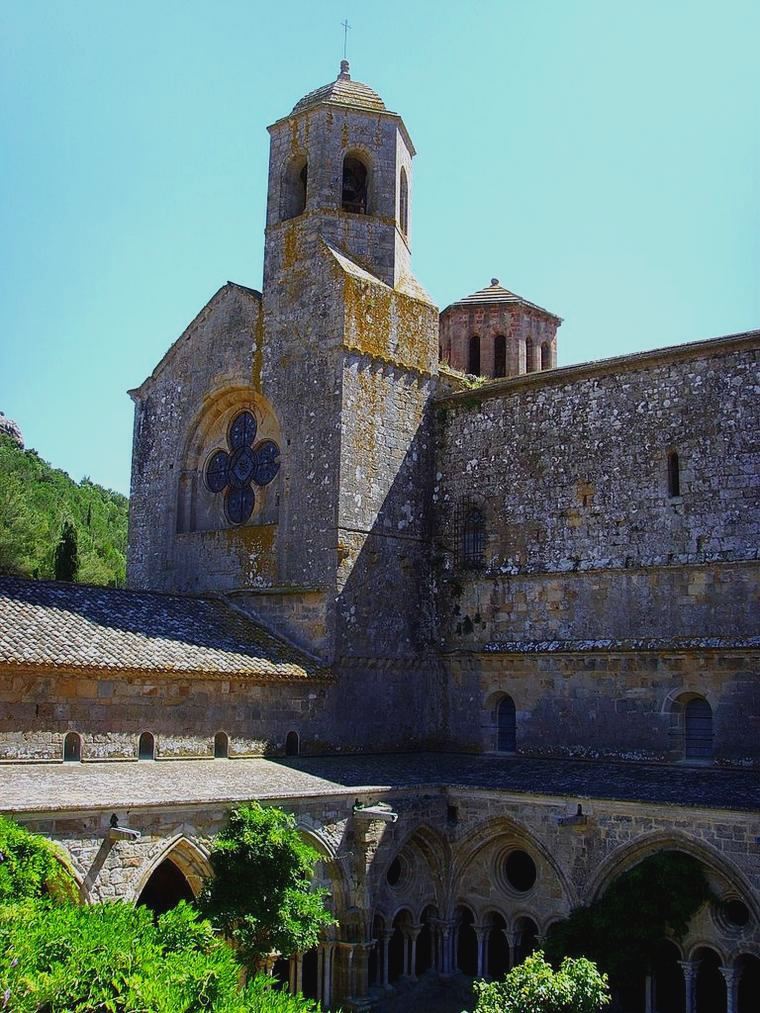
(35, 502)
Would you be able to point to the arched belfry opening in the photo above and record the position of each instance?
(355, 185)
(295, 180)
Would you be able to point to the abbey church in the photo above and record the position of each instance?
(488, 626)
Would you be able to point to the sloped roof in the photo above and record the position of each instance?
(343, 92)
(50, 625)
(495, 294)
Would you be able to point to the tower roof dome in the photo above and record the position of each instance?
(343, 92)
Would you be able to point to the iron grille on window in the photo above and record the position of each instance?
(471, 535)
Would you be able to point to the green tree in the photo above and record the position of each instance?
(535, 987)
(260, 895)
(655, 899)
(66, 553)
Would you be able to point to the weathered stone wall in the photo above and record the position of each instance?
(584, 543)
(182, 411)
(183, 715)
(606, 702)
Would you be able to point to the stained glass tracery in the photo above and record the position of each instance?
(237, 470)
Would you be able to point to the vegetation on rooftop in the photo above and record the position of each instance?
(52, 526)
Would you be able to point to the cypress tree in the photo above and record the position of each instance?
(66, 555)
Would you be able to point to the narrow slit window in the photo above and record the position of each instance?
(500, 355)
(403, 202)
(473, 360)
(474, 538)
(674, 475)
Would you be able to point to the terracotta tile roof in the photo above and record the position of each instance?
(495, 294)
(71, 627)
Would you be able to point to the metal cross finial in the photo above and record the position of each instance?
(345, 25)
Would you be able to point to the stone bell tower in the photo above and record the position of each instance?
(340, 167)
(350, 352)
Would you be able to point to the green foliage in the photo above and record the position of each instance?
(31, 867)
(66, 558)
(35, 501)
(534, 987)
(655, 899)
(113, 957)
(260, 895)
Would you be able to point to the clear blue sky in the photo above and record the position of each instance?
(600, 158)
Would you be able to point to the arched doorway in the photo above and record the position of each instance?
(497, 948)
(166, 887)
(710, 984)
(467, 942)
(748, 969)
(397, 948)
(668, 992)
(526, 938)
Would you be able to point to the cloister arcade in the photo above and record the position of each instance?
(476, 903)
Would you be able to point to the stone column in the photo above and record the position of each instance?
(731, 976)
(481, 935)
(513, 938)
(649, 994)
(414, 931)
(320, 970)
(689, 968)
(387, 935)
(328, 970)
(299, 972)
(447, 942)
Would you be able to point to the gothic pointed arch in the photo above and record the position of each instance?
(628, 855)
(189, 858)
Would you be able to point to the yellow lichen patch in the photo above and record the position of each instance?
(289, 245)
(388, 325)
(255, 547)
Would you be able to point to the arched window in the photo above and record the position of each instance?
(294, 184)
(354, 196)
(698, 729)
(292, 744)
(674, 475)
(221, 746)
(506, 731)
(546, 355)
(72, 748)
(473, 537)
(499, 355)
(403, 202)
(146, 747)
(530, 358)
(473, 359)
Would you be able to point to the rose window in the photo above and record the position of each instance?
(237, 470)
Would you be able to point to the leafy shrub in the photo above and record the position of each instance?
(535, 987)
(113, 957)
(31, 866)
